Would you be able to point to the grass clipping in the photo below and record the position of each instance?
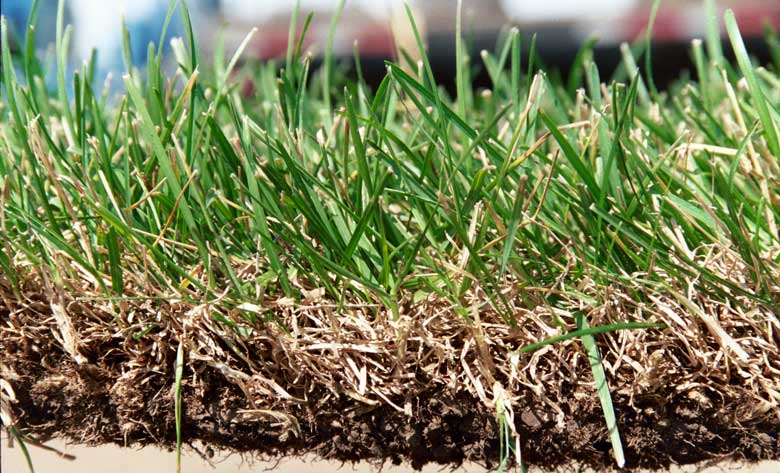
(551, 273)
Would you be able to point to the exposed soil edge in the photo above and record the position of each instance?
(355, 382)
(446, 427)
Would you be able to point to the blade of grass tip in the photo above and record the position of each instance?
(193, 67)
(495, 64)
(91, 68)
(501, 81)
(29, 52)
(460, 79)
(62, 41)
(594, 91)
(288, 63)
(218, 55)
(515, 70)
(759, 99)
(600, 378)
(364, 174)
(236, 56)
(298, 54)
(617, 133)
(583, 57)
(154, 88)
(648, 56)
(358, 67)
(440, 123)
(701, 70)
(712, 34)
(179, 371)
(301, 95)
(164, 31)
(10, 80)
(772, 39)
(189, 155)
(532, 57)
(535, 91)
(410, 85)
(328, 66)
(632, 70)
(127, 52)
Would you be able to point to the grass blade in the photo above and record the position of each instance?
(600, 378)
(756, 92)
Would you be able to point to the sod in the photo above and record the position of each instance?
(287, 262)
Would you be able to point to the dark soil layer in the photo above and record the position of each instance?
(341, 388)
(445, 427)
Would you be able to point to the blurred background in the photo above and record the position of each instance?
(374, 26)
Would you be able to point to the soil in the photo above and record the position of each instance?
(445, 427)
(334, 387)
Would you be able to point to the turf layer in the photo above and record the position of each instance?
(288, 262)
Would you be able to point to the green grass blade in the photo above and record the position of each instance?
(584, 171)
(579, 333)
(600, 378)
(756, 92)
(328, 66)
(23, 446)
(460, 61)
(62, 40)
(712, 36)
(289, 65)
(648, 49)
